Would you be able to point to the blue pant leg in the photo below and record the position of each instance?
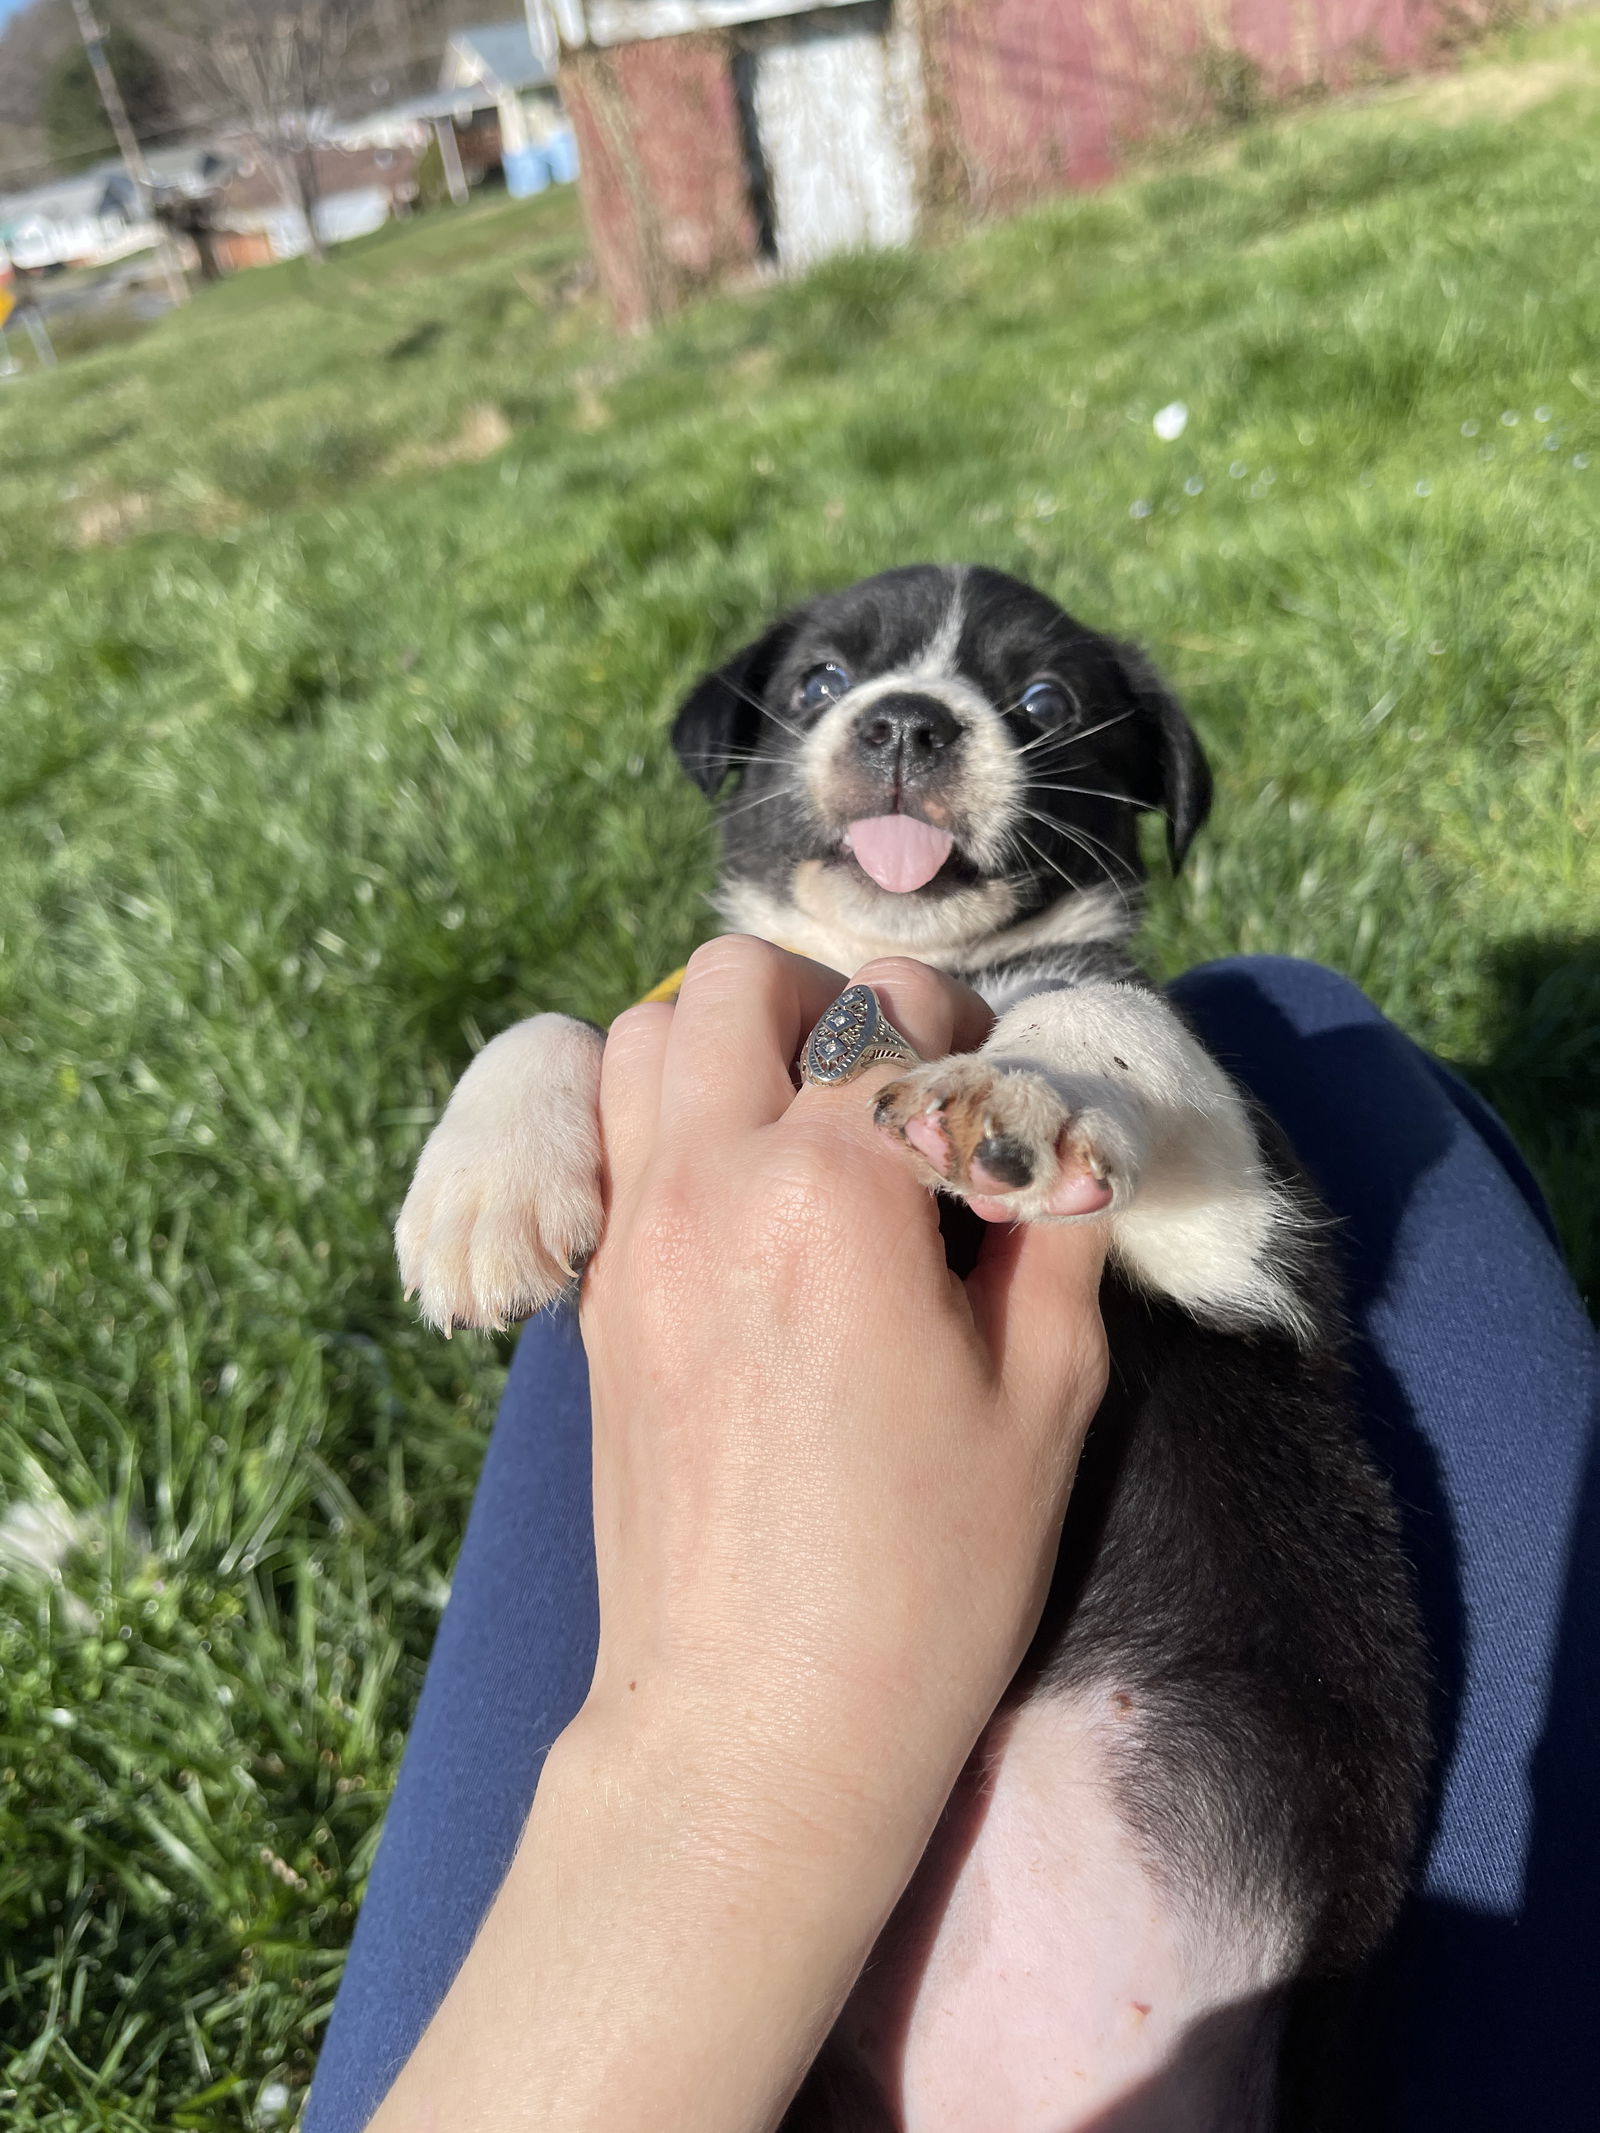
(510, 1667)
(1479, 1381)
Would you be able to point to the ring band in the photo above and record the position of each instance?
(852, 1036)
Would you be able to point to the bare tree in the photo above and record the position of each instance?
(272, 68)
(32, 43)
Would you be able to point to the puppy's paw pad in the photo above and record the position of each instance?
(999, 1136)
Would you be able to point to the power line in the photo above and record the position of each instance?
(149, 137)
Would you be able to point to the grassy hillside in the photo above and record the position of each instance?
(340, 622)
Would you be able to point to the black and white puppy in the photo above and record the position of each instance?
(1205, 1793)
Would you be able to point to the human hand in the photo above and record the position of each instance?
(829, 1477)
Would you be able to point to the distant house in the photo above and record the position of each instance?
(358, 189)
(498, 68)
(720, 135)
(73, 222)
(99, 216)
(189, 172)
(495, 112)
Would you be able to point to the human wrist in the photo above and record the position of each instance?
(711, 1923)
(798, 1750)
(749, 1823)
(751, 1786)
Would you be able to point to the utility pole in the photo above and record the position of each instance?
(127, 141)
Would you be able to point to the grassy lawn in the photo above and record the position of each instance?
(340, 622)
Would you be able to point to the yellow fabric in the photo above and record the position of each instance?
(670, 987)
(667, 989)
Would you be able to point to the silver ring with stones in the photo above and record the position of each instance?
(852, 1036)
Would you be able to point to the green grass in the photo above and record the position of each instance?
(340, 623)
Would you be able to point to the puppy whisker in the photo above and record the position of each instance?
(1104, 726)
(1052, 736)
(1083, 837)
(1071, 740)
(1053, 865)
(764, 799)
(1115, 868)
(1088, 792)
(758, 703)
(1015, 835)
(722, 755)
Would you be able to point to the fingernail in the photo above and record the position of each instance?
(1080, 1193)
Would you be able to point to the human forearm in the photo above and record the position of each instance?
(670, 1946)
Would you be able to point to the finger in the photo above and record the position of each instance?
(743, 1012)
(630, 1093)
(1035, 1300)
(935, 1013)
(1076, 1192)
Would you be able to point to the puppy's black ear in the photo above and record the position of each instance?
(1178, 778)
(719, 721)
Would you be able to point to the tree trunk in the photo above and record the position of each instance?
(205, 247)
(303, 171)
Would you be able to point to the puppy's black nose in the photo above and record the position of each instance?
(906, 733)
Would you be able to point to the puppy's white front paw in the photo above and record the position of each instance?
(505, 1204)
(1003, 1137)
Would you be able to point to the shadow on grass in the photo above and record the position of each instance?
(1542, 1074)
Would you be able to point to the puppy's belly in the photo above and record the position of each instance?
(1038, 1978)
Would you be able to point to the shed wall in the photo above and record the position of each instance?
(662, 169)
(1020, 99)
(1030, 97)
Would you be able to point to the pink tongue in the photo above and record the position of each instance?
(898, 851)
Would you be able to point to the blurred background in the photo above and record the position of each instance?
(399, 406)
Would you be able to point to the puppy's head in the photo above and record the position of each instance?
(936, 754)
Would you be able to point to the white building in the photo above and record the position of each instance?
(499, 65)
(98, 216)
(357, 190)
(74, 222)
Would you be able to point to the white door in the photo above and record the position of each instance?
(832, 117)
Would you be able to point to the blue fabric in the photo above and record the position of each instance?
(1478, 1372)
(510, 1666)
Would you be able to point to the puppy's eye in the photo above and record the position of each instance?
(1045, 703)
(823, 685)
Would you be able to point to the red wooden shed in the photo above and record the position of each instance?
(716, 136)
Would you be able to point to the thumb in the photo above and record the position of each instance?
(1035, 1300)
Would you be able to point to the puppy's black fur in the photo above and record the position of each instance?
(1230, 1559)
